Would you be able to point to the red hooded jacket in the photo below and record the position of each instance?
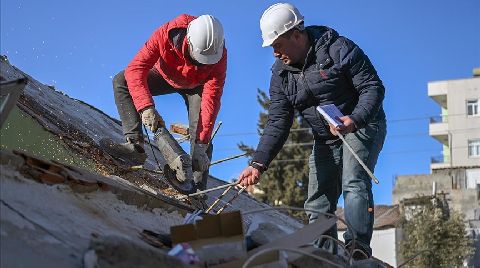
(177, 69)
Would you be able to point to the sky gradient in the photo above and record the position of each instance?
(78, 46)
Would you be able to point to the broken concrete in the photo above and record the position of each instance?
(266, 232)
(52, 225)
(121, 252)
(52, 209)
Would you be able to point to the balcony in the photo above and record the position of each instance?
(438, 92)
(440, 161)
(438, 128)
(439, 119)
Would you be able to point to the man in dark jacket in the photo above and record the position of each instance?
(315, 66)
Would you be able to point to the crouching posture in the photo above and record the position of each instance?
(185, 56)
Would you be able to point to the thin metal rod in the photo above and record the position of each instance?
(227, 159)
(151, 146)
(213, 189)
(231, 199)
(369, 172)
(214, 133)
(218, 199)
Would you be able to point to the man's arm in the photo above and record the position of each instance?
(275, 133)
(365, 80)
(137, 71)
(211, 100)
(280, 119)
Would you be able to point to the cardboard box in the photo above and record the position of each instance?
(215, 239)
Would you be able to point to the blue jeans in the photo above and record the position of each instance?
(334, 169)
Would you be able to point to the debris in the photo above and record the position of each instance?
(179, 129)
(122, 252)
(309, 262)
(193, 217)
(289, 242)
(155, 239)
(266, 232)
(185, 253)
(215, 239)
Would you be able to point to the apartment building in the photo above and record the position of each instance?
(456, 171)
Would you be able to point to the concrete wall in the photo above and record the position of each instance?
(383, 245)
(451, 181)
(409, 186)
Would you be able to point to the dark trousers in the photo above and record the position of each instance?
(131, 121)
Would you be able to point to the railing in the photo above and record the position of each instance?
(440, 159)
(438, 119)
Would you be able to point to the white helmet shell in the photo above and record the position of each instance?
(277, 20)
(205, 39)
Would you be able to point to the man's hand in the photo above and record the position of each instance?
(200, 160)
(347, 127)
(249, 176)
(152, 119)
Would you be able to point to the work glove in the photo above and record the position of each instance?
(200, 160)
(152, 119)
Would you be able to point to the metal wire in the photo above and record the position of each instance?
(218, 199)
(339, 243)
(308, 210)
(261, 252)
(229, 202)
(361, 251)
(151, 147)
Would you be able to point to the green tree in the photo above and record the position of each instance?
(429, 227)
(286, 180)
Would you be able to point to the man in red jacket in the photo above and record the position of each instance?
(186, 56)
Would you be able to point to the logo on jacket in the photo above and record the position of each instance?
(323, 74)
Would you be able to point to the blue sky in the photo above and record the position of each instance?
(78, 46)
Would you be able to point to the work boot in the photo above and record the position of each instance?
(130, 152)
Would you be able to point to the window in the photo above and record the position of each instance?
(474, 148)
(473, 178)
(472, 107)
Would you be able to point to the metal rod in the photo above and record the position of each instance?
(214, 133)
(231, 199)
(218, 199)
(213, 189)
(227, 159)
(369, 172)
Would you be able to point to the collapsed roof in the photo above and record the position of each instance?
(62, 197)
(65, 191)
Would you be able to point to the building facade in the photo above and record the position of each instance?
(457, 171)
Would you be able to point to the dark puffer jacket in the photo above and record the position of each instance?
(336, 71)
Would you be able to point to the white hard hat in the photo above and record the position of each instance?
(205, 39)
(277, 20)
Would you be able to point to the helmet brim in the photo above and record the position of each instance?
(207, 59)
(267, 43)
